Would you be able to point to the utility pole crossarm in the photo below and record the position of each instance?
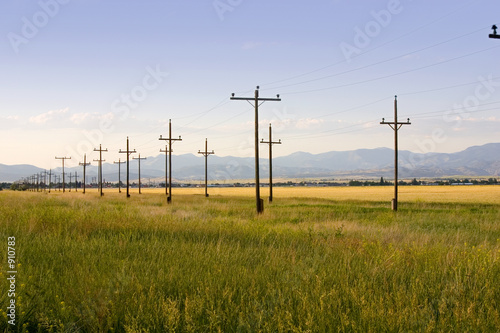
(253, 98)
(395, 125)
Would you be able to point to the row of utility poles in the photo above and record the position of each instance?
(256, 101)
(168, 161)
(168, 165)
(38, 182)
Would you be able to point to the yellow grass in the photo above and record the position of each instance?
(317, 260)
(459, 194)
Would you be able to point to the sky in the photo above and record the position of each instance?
(77, 74)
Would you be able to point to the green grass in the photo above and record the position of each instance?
(91, 264)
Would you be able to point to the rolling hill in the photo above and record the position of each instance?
(474, 161)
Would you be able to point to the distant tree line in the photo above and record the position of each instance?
(414, 181)
(451, 181)
(16, 186)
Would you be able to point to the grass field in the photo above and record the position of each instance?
(316, 260)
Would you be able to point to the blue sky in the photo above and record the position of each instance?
(76, 74)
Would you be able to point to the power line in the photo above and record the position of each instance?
(379, 62)
(391, 75)
(370, 50)
(444, 88)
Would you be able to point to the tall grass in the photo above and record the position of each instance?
(317, 263)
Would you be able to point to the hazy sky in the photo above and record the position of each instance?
(79, 73)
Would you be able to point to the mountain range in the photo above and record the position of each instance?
(362, 163)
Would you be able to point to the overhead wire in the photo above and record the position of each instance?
(380, 62)
(373, 48)
(392, 75)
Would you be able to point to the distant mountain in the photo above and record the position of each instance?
(474, 161)
(10, 173)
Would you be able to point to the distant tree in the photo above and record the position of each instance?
(382, 181)
(415, 182)
(18, 187)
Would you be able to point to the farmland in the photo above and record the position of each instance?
(317, 260)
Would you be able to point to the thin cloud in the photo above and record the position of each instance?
(51, 115)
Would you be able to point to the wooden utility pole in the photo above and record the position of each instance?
(271, 143)
(139, 159)
(50, 178)
(128, 152)
(63, 159)
(119, 175)
(257, 101)
(100, 160)
(70, 176)
(44, 180)
(166, 167)
(170, 143)
(76, 182)
(206, 153)
(395, 126)
(84, 164)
